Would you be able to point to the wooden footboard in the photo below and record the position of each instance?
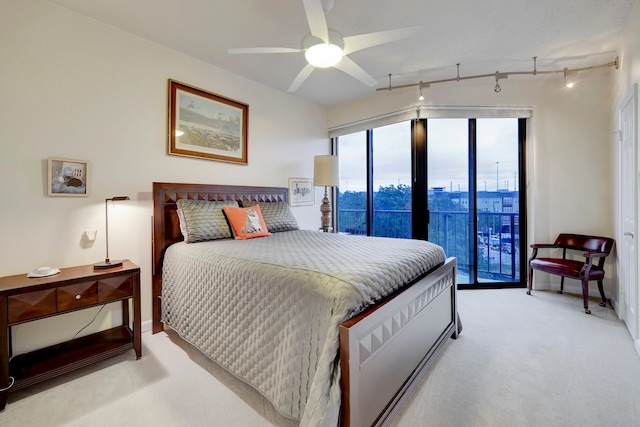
(386, 350)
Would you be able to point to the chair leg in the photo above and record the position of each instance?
(585, 295)
(601, 289)
(561, 285)
(530, 281)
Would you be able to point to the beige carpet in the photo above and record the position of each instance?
(531, 361)
(520, 361)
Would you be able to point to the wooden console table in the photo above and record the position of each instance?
(24, 299)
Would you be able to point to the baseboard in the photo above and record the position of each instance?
(614, 304)
(146, 326)
(572, 289)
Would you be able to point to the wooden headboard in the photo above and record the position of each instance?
(166, 227)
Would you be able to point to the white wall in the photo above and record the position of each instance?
(568, 160)
(73, 87)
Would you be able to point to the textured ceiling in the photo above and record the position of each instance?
(483, 36)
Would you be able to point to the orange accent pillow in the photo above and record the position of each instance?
(246, 223)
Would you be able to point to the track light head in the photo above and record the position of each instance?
(568, 78)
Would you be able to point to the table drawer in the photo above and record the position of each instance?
(31, 305)
(76, 296)
(115, 288)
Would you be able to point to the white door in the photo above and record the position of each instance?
(628, 184)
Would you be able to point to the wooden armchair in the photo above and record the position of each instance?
(595, 249)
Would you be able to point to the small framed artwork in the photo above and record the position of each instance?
(300, 191)
(67, 177)
(206, 126)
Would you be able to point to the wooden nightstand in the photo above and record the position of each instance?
(24, 299)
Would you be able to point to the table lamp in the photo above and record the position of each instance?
(109, 263)
(326, 173)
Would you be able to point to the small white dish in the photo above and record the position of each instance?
(44, 272)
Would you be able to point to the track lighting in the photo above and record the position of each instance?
(499, 75)
(568, 74)
(568, 78)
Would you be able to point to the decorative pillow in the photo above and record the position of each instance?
(246, 223)
(277, 215)
(202, 220)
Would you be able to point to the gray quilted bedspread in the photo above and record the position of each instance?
(269, 309)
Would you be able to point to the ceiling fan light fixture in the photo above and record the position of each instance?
(323, 55)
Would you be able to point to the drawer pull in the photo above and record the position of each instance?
(78, 296)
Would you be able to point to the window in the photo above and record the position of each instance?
(453, 181)
(381, 159)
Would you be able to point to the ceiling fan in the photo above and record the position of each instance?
(324, 47)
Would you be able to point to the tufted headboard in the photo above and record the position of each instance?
(166, 228)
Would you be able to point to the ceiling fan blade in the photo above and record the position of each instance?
(263, 50)
(363, 41)
(354, 70)
(301, 77)
(317, 20)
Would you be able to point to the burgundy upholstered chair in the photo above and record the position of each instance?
(594, 250)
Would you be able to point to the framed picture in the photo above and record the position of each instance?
(206, 125)
(67, 177)
(300, 191)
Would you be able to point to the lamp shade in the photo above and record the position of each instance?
(326, 171)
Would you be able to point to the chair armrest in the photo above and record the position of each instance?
(594, 255)
(536, 246)
(543, 245)
(591, 256)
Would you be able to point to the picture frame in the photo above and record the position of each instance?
(67, 177)
(301, 192)
(205, 125)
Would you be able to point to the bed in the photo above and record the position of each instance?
(364, 345)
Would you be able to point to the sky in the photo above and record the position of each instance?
(497, 155)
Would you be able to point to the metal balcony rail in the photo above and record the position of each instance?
(497, 240)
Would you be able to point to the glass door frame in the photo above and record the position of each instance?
(420, 202)
(522, 212)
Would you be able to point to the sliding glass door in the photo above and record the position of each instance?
(498, 200)
(455, 182)
(450, 216)
(474, 176)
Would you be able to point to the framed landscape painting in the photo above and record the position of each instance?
(205, 125)
(300, 191)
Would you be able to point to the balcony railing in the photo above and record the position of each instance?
(497, 240)
(386, 223)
